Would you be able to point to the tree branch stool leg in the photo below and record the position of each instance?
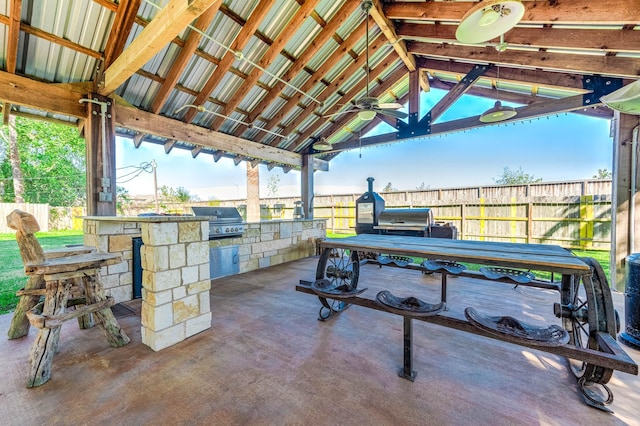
(104, 317)
(46, 343)
(20, 323)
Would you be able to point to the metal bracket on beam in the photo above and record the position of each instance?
(599, 86)
(413, 129)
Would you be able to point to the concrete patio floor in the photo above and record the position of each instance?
(268, 360)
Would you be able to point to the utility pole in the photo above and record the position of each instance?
(154, 165)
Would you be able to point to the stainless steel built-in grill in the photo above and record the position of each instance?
(224, 222)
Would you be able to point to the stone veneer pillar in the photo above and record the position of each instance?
(175, 281)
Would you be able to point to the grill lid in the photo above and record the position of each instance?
(409, 219)
(218, 214)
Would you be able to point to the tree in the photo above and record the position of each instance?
(123, 200)
(273, 185)
(389, 188)
(603, 174)
(422, 187)
(51, 160)
(515, 177)
(176, 195)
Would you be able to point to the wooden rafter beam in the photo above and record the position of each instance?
(13, 36)
(457, 91)
(388, 29)
(149, 123)
(272, 53)
(518, 98)
(186, 53)
(582, 39)
(120, 29)
(53, 98)
(614, 66)
(164, 27)
(536, 12)
(538, 78)
(327, 32)
(539, 109)
(246, 32)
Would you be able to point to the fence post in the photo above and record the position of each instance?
(586, 221)
(529, 222)
(482, 221)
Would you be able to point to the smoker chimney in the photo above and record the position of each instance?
(370, 180)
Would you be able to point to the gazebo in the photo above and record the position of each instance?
(293, 83)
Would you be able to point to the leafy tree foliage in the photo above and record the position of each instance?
(603, 174)
(52, 162)
(273, 185)
(176, 195)
(389, 188)
(515, 177)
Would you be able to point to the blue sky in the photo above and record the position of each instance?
(557, 148)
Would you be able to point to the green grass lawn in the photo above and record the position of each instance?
(12, 276)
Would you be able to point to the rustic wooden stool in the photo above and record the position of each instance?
(69, 280)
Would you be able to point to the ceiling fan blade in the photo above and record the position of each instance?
(391, 113)
(338, 113)
(390, 105)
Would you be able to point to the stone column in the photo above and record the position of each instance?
(176, 282)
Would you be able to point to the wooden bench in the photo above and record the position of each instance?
(68, 282)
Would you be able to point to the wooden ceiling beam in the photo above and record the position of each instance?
(539, 78)
(120, 29)
(149, 123)
(613, 66)
(54, 98)
(601, 40)
(13, 36)
(518, 98)
(457, 91)
(164, 27)
(246, 32)
(272, 53)
(536, 110)
(186, 53)
(536, 12)
(298, 66)
(388, 29)
(317, 76)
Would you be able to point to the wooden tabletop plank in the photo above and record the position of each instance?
(527, 256)
(73, 263)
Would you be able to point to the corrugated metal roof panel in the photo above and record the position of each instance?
(196, 73)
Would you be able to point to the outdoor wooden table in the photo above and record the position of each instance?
(589, 321)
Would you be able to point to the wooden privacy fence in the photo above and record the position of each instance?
(574, 222)
(40, 211)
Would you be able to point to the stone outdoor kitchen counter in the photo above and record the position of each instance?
(175, 259)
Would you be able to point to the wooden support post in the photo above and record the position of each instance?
(625, 206)
(307, 186)
(99, 134)
(253, 193)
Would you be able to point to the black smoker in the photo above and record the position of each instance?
(373, 218)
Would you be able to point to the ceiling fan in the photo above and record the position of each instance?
(367, 107)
